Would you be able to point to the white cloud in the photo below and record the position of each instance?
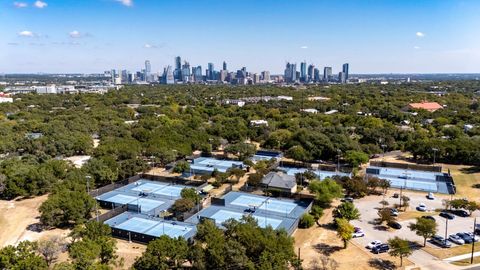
(127, 3)
(75, 34)
(304, 47)
(40, 4)
(420, 34)
(20, 4)
(416, 47)
(26, 34)
(149, 46)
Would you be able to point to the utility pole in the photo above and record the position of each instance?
(88, 177)
(434, 151)
(473, 242)
(446, 231)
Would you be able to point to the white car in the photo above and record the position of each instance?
(430, 196)
(374, 243)
(474, 237)
(422, 207)
(456, 239)
(358, 234)
(394, 212)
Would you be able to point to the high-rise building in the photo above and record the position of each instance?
(303, 71)
(345, 70)
(327, 74)
(311, 73)
(342, 77)
(148, 70)
(197, 74)
(177, 73)
(211, 72)
(225, 65)
(167, 77)
(316, 75)
(256, 78)
(290, 73)
(223, 75)
(266, 76)
(185, 72)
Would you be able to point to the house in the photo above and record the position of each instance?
(5, 98)
(428, 106)
(280, 181)
(256, 123)
(314, 111)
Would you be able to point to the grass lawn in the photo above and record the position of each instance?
(466, 262)
(464, 177)
(411, 214)
(443, 253)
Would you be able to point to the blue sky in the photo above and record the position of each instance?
(374, 36)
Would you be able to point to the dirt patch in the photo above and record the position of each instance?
(129, 252)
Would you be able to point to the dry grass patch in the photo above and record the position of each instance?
(466, 262)
(444, 253)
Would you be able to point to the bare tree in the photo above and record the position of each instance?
(323, 263)
(50, 248)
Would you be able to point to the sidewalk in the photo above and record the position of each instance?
(462, 257)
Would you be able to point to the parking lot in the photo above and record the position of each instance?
(370, 205)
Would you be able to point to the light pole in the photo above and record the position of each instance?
(434, 151)
(383, 148)
(338, 159)
(446, 231)
(88, 177)
(473, 242)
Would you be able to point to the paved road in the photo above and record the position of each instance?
(368, 207)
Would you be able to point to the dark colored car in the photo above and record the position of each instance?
(461, 213)
(396, 195)
(429, 217)
(380, 248)
(447, 215)
(466, 237)
(348, 199)
(395, 225)
(440, 241)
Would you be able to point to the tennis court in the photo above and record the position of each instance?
(224, 215)
(278, 206)
(147, 205)
(120, 199)
(137, 224)
(266, 221)
(208, 165)
(148, 187)
(319, 173)
(170, 191)
(171, 230)
(249, 201)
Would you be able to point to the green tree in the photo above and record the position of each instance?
(385, 215)
(344, 230)
(190, 194)
(182, 205)
(325, 191)
(22, 257)
(356, 158)
(306, 221)
(297, 152)
(347, 210)
(237, 173)
(399, 248)
(255, 179)
(50, 248)
(424, 227)
(163, 253)
(472, 206)
(181, 167)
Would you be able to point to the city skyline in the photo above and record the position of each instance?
(387, 37)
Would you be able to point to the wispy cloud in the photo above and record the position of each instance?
(26, 34)
(20, 4)
(13, 44)
(40, 4)
(304, 47)
(420, 34)
(149, 46)
(78, 34)
(416, 47)
(127, 3)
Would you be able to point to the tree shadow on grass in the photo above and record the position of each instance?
(382, 228)
(381, 264)
(326, 249)
(469, 170)
(329, 226)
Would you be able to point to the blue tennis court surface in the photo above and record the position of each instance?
(414, 179)
(122, 199)
(275, 212)
(204, 165)
(171, 191)
(224, 215)
(129, 222)
(148, 187)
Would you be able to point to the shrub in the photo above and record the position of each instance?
(306, 221)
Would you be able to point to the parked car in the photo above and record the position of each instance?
(429, 217)
(466, 237)
(477, 229)
(461, 213)
(381, 249)
(396, 195)
(438, 240)
(422, 207)
(473, 236)
(358, 234)
(430, 196)
(373, 244)
(395, 225)
(347, 199)
(456, 239)
(447, 215)
(394, 212)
